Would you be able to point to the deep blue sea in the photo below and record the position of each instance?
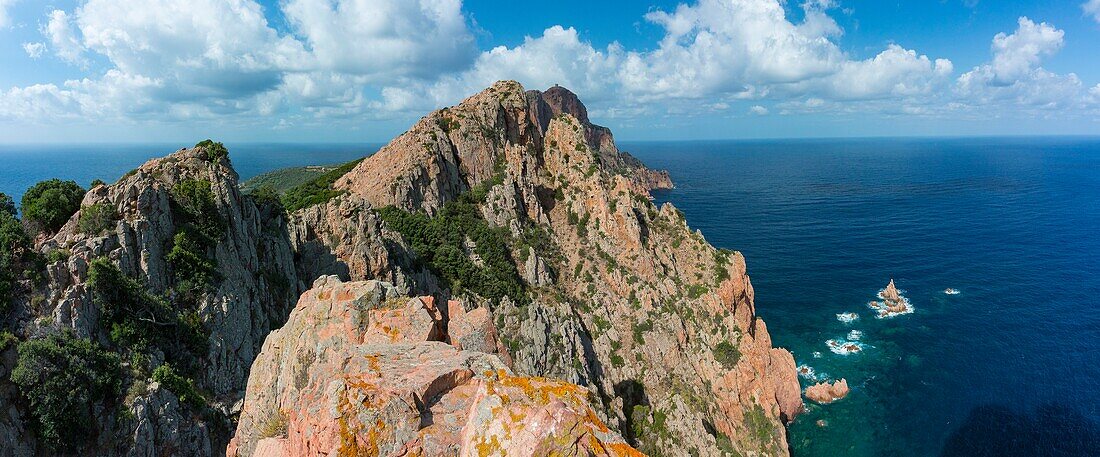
(1008, 367)
(21, 166)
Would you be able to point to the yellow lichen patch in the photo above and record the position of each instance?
(324, 295)
(372, 362)
(349, 435)
(590, 416)
(542, 390)
(486, 449)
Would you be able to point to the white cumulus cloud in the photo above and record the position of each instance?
(1015, 75)
(34, 50)
(1092, 8)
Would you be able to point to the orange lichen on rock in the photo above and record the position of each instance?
(368, 396)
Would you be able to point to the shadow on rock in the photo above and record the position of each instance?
(1051, 430)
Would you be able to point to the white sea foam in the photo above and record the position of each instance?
(844, 347)
(883, 312)
(855, 335)
(807, 372)
(950, 291)
(817, 355)
(847, 317)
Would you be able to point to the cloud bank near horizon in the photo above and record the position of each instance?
(356, 61)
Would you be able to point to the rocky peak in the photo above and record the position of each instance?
(890, 293)
(614, 293)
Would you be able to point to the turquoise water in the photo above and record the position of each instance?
(1009, 366)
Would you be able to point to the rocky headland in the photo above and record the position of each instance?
(495, 281)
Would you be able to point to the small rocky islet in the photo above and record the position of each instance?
(494, 281)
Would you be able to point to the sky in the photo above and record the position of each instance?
(110, 71)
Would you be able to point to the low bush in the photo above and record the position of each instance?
(94, 219)
(15, 249)
(49, 204)
(63, 378)
(727, 354)
(184, 388)
(213, 151)
(138, 320)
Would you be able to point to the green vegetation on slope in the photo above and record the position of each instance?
(440, 243)
(49, 204)
(285, 179)
(15, 250)
(317, 190)
(63, 378)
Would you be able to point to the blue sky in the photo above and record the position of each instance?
(363, 70)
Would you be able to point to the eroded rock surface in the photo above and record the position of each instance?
(327, 383)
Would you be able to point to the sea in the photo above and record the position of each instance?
(1007, 366)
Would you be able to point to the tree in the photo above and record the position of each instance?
(49, 204)
(7, 205)
(63, 378)
(15, 246)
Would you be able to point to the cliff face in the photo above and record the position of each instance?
(619, 296)
(152, 232)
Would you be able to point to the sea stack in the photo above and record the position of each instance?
(890, 293)
(825, 393)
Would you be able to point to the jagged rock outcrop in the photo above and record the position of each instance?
(329, 383)
(890, 293)
(252, 286)
(826, 392)
(622, 297)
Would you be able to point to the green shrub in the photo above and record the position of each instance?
(696, 290)
(138, 320)
(63, 378)
(438, 243)
(57, 255)
(318, 190)
(194, 271)
(194, 203)
(7, 205)
(727, 354)
(96, 182)
(266, 196)
(213, 152)
(184, 388)
(49, 204)
(7, 339)
(94, 219)
(15, 249)
(640, 329)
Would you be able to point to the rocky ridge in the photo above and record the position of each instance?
(559, 274)
(621, 296)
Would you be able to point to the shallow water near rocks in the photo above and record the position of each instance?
(1006, 367)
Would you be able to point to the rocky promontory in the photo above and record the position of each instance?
(496, 280)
